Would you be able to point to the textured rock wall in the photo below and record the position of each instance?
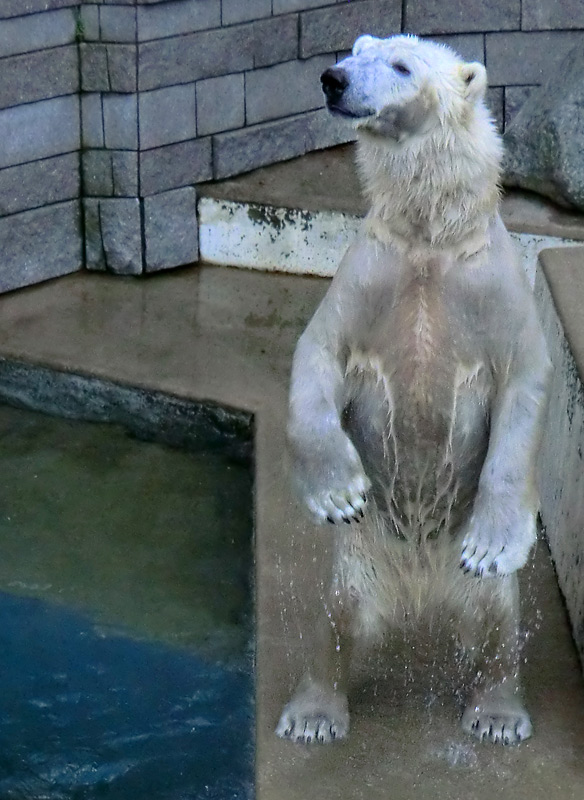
(123, 106)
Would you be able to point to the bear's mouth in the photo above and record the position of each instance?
(342, 111)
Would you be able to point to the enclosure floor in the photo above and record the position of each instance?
(227, 335)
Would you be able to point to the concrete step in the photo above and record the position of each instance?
(299, 216)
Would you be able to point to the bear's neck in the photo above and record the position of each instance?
(439, 191)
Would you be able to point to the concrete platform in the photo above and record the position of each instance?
(228, 335)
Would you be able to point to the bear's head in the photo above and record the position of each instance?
(404, 87)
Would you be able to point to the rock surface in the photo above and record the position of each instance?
(544, 145)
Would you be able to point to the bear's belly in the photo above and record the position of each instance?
(422, 447)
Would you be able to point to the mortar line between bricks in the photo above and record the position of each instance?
(80, 158)
(102, 117)
(43, 206)
(142, 210)
(40, 50)
(138, 136)
(213, 170)
(41, 100)
(299, 35)
(44, 158)
(245, 99)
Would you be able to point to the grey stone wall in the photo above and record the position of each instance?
(40, 225)
(156, 96)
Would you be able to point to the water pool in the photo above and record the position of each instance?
(126, 619)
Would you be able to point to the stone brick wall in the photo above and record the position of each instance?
(151, 97)
(40, 225)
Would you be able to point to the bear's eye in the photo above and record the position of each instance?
(401, 68)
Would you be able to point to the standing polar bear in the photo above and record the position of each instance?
(418, 390)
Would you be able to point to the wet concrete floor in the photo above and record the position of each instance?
(228, 336)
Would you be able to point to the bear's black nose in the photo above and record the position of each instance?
(334, 82)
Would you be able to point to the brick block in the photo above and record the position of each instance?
(39, 130)
(94, 254)
(40, 244)
(170, 229)
(329, 29)
(108, 68)
(268, 142)
(470, 46)
(118, 24)
(213, 116)
(234, 11)
(94, 68)
(527, 58)
(110, 173)
(515, 97)
(550, 14)
(460, 16)
(39, 183)
(37, 32)
(89, 23)
(39, 76)
(284, 89)
(286, 6)
(208, 54)
(91, 120)
(113, 237)
(175, 165)
(121, 61)
(96, 167)
(494, 100)
(120, 116)
(125, 173)
(167, 116)
(175, 18)
(17, 8)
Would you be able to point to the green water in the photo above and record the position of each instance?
(149, 541)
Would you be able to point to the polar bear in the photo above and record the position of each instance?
(418, 389)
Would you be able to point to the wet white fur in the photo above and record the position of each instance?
(421, 381)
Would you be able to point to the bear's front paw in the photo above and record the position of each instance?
(340, 503)
(498, 539)
(330, 478)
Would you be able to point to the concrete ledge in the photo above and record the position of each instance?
(300, 215)
(273, 239)
(561, 300)
(282, 239)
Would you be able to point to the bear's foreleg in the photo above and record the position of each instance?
(502, 527)
(327, 468)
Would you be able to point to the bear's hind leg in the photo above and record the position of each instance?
(318, 710)
(491, 636)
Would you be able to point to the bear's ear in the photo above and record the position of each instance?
(363, 42)
(474, 77)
